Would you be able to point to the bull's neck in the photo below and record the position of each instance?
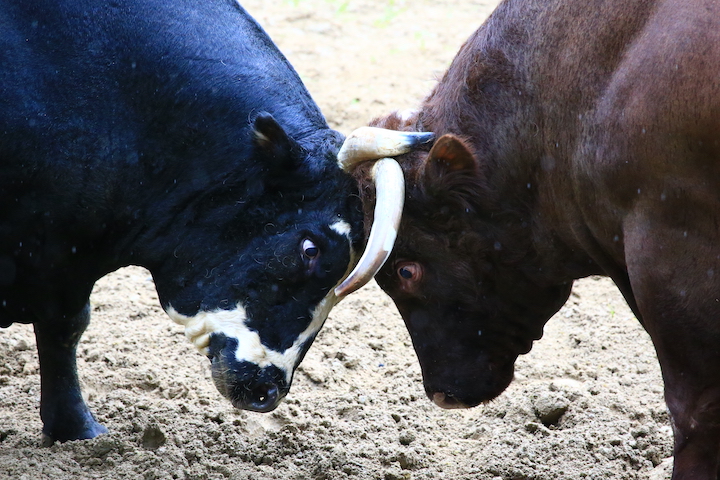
(515, 90)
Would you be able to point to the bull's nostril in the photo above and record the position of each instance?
(438, 398)
(264, 397)
(443, 400)
(248, 386)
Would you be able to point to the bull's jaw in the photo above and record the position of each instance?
(468, 384)
(247, 350)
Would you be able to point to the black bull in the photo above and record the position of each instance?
(149, 133)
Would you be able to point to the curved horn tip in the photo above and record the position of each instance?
(421, 138)
(343, 290)
(352, 284)
(372, 143)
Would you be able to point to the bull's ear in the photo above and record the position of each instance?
(449, 154)
(277, 150)
(452, 175)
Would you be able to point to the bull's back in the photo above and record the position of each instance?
(663, 101)
(651, 145)
(87, 61)
(99, 97)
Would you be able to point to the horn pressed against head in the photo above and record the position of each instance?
(372, 143)
(390, 197)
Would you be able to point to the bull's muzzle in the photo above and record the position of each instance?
(247, 385)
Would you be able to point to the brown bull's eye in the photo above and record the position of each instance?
(409, 271)
(405, 272)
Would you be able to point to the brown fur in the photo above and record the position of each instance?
(594, 126)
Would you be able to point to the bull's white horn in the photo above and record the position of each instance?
(372, 143)
(390, 197)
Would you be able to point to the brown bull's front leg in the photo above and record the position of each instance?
(675, 278)
(696, 423)
(690, 364)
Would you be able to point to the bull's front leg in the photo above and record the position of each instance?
(697, 437)
(63, 411)
(693, 398)
(675, 279)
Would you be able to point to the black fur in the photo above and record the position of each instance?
(128, 136)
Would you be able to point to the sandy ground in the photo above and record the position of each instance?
(586, 402)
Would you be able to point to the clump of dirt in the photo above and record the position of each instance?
(586, 403)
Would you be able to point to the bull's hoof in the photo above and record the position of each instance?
(46, 441)
(89, 430)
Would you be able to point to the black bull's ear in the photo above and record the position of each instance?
(279, 154)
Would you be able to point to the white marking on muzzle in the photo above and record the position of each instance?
(232, 323)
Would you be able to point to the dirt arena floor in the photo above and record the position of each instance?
(586, 402)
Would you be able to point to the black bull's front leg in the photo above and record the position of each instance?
(64, 414)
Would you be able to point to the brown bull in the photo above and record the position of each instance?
(574, 138)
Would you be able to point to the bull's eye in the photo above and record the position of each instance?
(409, 271)
(309, 249)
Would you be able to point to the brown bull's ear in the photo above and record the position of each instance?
(449, 154)
(451, 175)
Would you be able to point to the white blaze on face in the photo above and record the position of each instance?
(343, 228)
(232, 323)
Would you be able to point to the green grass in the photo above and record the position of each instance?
(390, 11)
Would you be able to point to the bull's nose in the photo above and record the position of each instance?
(444, 400)
(264, 397)
(245, 383)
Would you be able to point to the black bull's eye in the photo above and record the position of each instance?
(309, 249)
